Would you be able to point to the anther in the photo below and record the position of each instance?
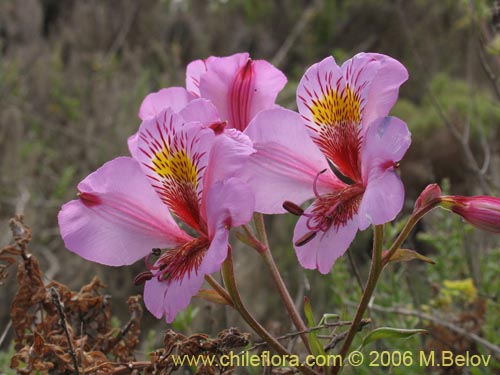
(156, 251)
(293, 208)
(305, 238)
(143, 277)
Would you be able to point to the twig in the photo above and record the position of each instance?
(343, 335)
(5, 332)
(355, 270)
(312, 329)
(452, 327)
(301, 24)
(62, 319)
(459, 137)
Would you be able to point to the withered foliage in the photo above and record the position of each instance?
(59, 331)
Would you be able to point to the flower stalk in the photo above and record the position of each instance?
(286, 298)
(230, 283)
(375, 271)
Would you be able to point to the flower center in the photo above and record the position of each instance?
(329, 209)
(176, 174)
(176, 264)
(341, 144)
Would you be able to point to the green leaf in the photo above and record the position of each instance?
(316, 347)
(405, 255)
(211, 295)
(388, 332)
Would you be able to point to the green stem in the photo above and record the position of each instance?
(286, 298)
(230, 283)
(219, 289)
(412, 221)
(375, 270)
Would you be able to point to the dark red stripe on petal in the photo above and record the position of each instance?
(89, 199)
(240, 96)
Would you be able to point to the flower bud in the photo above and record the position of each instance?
(430, 193)
(481, 211)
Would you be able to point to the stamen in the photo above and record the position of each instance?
(305, 238)
(143, 277)
(316, 181)
(293, 208)
(175, 264)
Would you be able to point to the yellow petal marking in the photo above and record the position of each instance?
(336, 107)
(177, 166)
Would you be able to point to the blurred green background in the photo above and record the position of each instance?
(73, 74)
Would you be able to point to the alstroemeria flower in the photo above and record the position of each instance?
(481, 211)
(123, 210)
(238, 86)
(342, 123)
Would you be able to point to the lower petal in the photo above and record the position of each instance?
(217, 252)
(118, 218)
(230, 203)
(163, 298)
(326, 247)
(382, 201)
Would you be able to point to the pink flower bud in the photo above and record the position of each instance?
(430, 193)
(481, 211)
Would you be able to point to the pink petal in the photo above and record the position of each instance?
(240, 87)
(385, 142)
(317, 82)
(175, 98)
(382, 201)
(286, 162)
(229, 154)
(194, 71)
(200, 110)
(119, 217)
(269, 81)
(323, 250)
(216, 82)
(230, 204)
(384, 90)
(174, 156)
(217, 252)
(363, 89)
(164, 298)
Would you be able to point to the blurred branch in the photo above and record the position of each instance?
(304, 20)
(329, 346)
(452, 327)
(5, 332)
(62, 320)
(461, 138)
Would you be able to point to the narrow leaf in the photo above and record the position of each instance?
(211, 296)
(388, 332)
(316, 347)
(405, 255)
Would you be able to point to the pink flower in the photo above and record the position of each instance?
(123, 210)
(344, 111)
(238, 86)
(481, 211)
(234, 88)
